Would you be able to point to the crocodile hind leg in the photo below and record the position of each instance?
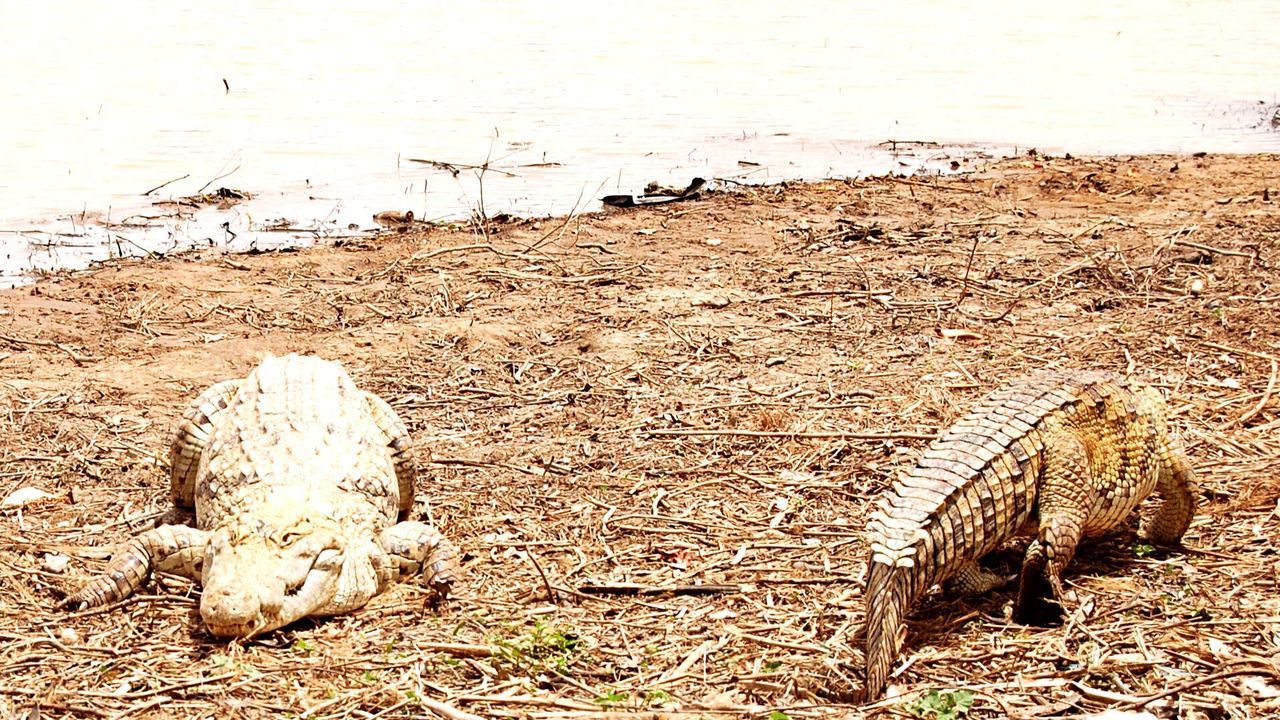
(191, 438)
(973, 579)
(1176, 483)
(401, 449)
(1063, 499)
(177, 549)
(417, 548)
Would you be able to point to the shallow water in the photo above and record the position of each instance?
(323, 106)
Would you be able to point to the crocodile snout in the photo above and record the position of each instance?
(250, 590)
(240, 610)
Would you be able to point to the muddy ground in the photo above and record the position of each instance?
(693, 403)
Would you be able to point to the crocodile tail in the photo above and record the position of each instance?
(889, 590)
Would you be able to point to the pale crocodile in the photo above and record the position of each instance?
(302, 484)
(1059, 455)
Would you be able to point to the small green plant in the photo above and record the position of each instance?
(779, 715)
(1143, 549)
(543, 649)
(611, 698)
(935, 705)
(368, 677)
(222, 661)
(302, 646)
(771, 665)
(657, 696)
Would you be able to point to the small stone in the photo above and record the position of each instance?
(1196, 287)
(777, 360)
(55, 562)
(24, 496)
(69, 636)
(713, 241)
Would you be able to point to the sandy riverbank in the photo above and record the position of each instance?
(657, 396)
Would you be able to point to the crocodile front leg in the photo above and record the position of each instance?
(177, 549)
(1177, 484)
(1063, 497)
(417, 548)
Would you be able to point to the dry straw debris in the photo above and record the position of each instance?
(658, 453)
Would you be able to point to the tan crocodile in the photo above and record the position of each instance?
(1059, 455)
(301, 485)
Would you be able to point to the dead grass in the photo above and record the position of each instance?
(658, 452)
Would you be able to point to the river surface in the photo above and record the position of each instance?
(317, 109)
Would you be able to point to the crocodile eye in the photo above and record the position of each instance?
(292, 535)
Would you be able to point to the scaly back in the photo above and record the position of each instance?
(976, 486)
(297, 426)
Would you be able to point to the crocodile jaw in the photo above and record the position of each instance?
(257, 586)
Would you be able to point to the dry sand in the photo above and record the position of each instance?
(700, 399)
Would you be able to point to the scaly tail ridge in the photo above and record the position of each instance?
(889, 590)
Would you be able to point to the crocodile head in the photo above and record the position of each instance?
(260, 578)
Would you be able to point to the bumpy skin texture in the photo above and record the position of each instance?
(297, 479)
(1057, 455)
